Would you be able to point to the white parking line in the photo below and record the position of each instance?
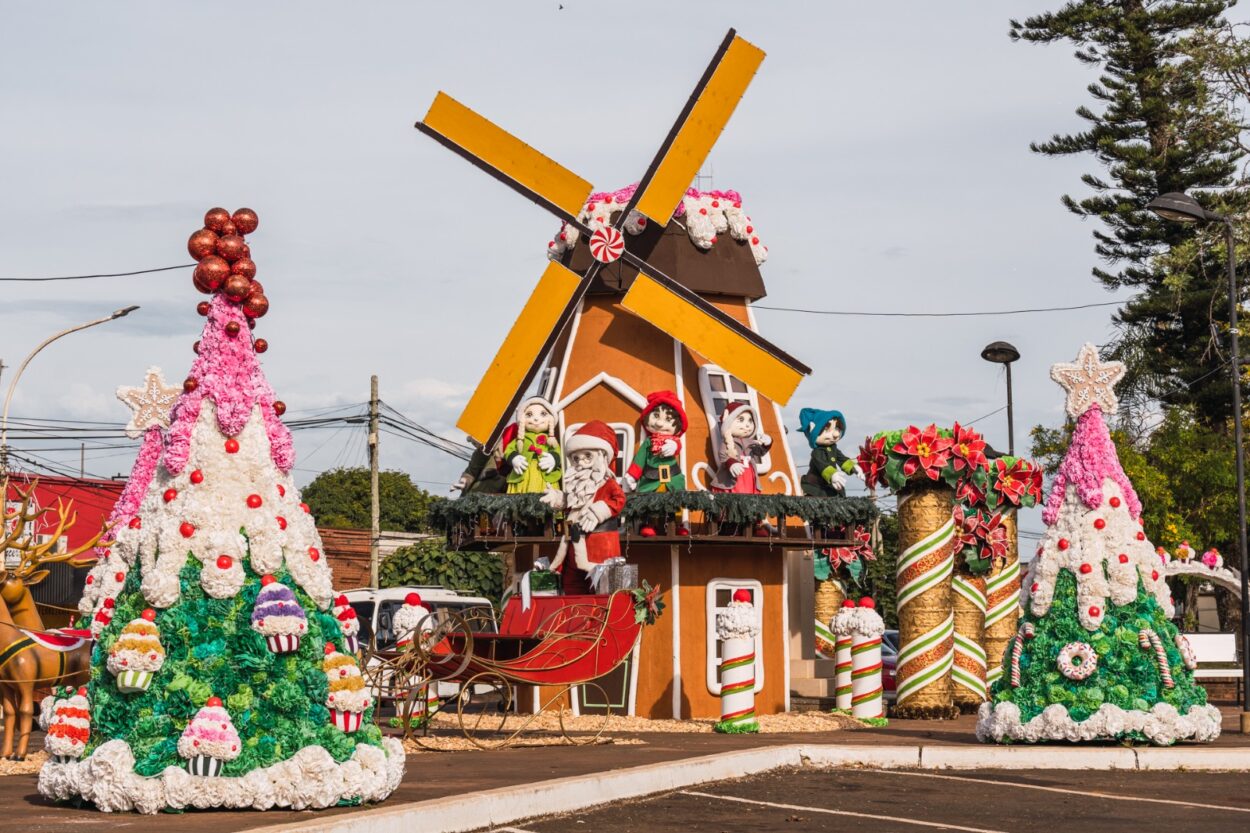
(1108, 796)
(510, 830)
(828, 812)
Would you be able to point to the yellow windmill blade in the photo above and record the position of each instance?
(712, 334)
(542, 320)
(698, 127)
(505, 157)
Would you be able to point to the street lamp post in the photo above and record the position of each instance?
(1183, 208)
(8, 397)
(1000, 352)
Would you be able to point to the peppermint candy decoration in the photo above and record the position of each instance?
(1077, 660)
(607, 244)
(1187, 652)
(1148, 639)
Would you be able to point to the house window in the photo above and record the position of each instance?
(547, 382)
(720, 592)
(718, 388)
(624, 444)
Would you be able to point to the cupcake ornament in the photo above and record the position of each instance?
(137, 654)
(348, 698)
(407, 619)
(349, 624)
(210, 740)
(278, 616)
(69, 729)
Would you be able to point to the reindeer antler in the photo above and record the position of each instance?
(33, 554)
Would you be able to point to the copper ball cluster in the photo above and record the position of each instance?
(225, 261)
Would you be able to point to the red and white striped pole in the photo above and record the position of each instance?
(737, 627)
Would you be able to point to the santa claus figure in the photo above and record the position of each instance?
(592, 501)
(742, 451)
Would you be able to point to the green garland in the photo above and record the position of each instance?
(276, 701)
(1127, 675)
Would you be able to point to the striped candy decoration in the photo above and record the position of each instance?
(204, 765)
(825, 640)
(1026, 632)
(606, 244)
(1148, 639)
(130, 681)
(283, 643)
(969, 668)
(842, 673)
(737, 686)
(927, 657)
(926, 563)
(351, 643)
(1002, 605)
(866, 678)
(346, 721)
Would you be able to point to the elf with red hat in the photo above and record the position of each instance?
(657, 465)
(592, 501)
(742, 452)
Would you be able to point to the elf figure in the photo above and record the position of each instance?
(532, 456)
(592, 501)
(742, 453)
(482, 474)
(657, 467)
(826, 474)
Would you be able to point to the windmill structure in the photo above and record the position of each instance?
(639, 296)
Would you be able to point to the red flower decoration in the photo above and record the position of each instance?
(926, 451)
(1017, 480)
(872, 460)
(967, 449)
(993, 536)
(965, 529)
(969, 493)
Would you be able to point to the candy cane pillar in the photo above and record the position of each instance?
(1002, 603)
(968, 672)
(926, 533)
(737, 627)
(842, 626)
(828, 598)
(866, 700)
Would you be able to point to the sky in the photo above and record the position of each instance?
(882, 151)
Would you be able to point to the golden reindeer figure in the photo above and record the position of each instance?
(25, 663)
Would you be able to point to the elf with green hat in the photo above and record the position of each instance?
(826, 474)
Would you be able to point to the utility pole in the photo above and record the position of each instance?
(374, 515)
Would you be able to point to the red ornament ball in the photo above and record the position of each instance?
(314, 553)
(1141, 536)
(251, 323)
(229, 228)
(119, 577)
(213, 270)
(341, 599)
(267, 580)
(187, 529)
(1115, 503)
(329, 649)
(197, 477)
(90, 580)
(1063, 543)
(1099, 523)
(256, 306)
(203, 307)
(304, 506)
(257, 288)
(189, 384)
(1123, 558)
(261, 345)
(281, 490)
(149, 614)
(254, 501)
(1154, 575)
(236, 287)
(244, 266)
(170, 494)
(1035, 587)
(109, 603)
(82, 691)
(742, 595)
(230, 247)
(232, 446)
(135, 523)
(848, 603)
(1095, 611)
(281, 522)
(224, 562)
(1086, 569)
(216, 218)
(245, 220)
(195, 348)
(867, 602)
(232, 329)
(279, 407)
(413, 599)
(215, 702)
(202, 244)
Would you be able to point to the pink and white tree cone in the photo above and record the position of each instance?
(842, 624)
(867, 695)
(737, 628)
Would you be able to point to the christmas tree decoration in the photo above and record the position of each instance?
(349, 624)
(867, 701)
(737, 627)
(348, 698)
(209, 740)
(200, 565)
(68, 725)
(404, 624)
(1096, 657)
(137, 654)
(843, 627)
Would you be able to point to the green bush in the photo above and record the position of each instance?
(427, 562)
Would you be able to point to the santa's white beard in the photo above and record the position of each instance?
(580, 485)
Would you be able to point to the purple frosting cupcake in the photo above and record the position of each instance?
(278, 616)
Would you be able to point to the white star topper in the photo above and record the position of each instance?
(1089, 382)
(151, 403)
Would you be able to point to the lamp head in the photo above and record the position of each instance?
(1000, 352)
(124, 311)
(1180, 208)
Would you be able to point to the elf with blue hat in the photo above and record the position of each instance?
(826, 474)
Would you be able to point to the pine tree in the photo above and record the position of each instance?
(210, 684)
(1156, 127)
(1096, 656)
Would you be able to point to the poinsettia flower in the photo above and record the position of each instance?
(1014, 481)
(965, 528)
(872, 460)
(967, 449)
(926, 451)
(862, 539)
(969, 493)
(1034, 489)
(993, 536)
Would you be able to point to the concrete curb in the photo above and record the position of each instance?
(506, 805)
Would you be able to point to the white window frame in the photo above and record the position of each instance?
(713, 641)
(710, 398)
(624, 450)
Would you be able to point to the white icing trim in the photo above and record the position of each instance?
(1162, 725)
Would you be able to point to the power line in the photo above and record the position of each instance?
(101, 275)
(934, 314)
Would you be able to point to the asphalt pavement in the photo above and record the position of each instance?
(1037, 801)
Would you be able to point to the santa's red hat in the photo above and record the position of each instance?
(663, 397)
(595, 435)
